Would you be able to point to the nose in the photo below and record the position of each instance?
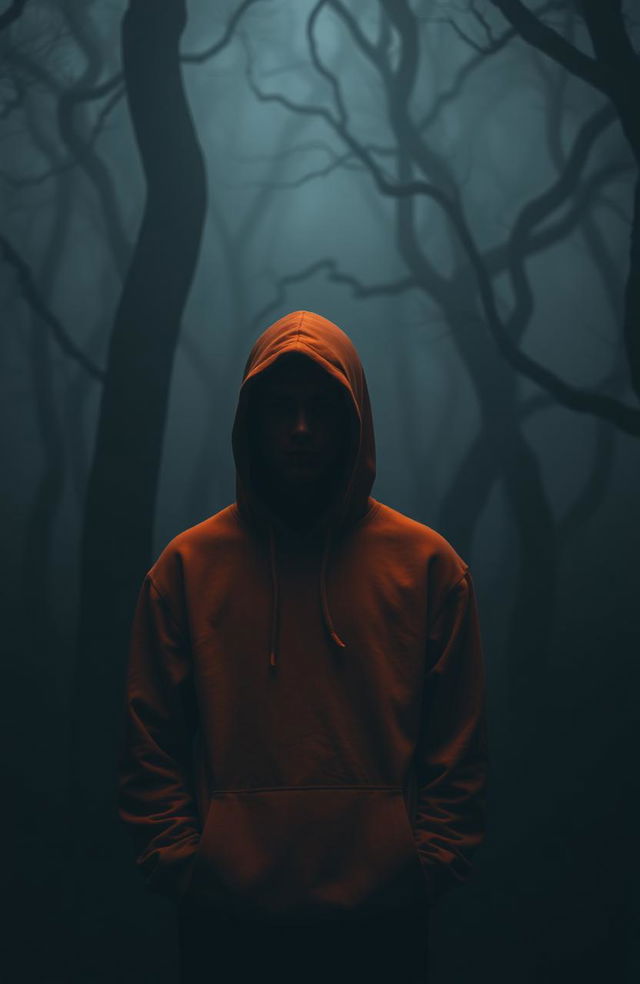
(301, 421)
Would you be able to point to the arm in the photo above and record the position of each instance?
(452, 756)
(155, 798)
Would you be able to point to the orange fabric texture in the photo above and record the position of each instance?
(304, 732)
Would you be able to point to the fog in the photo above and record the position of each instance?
(459, 201)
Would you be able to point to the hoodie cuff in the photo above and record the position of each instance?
(171, 874)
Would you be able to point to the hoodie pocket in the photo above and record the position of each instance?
(308, 852)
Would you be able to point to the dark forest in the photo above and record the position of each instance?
(455, 184)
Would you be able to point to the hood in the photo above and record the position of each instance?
(321, 340)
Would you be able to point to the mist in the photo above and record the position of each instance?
(454, 184)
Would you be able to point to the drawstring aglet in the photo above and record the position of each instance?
(338, 641)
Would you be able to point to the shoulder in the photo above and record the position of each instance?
(443, 564)
(193, 547)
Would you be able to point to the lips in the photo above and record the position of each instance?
(301, 459)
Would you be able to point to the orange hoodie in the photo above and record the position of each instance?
(304, 728)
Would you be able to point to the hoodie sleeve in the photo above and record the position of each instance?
(156, 801)
(452, 755)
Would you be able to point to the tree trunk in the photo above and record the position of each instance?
(122, 486)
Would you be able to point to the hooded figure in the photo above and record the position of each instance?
(305, 737)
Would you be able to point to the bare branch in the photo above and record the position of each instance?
(538, 209)
(340, 160)
(616, 72)
(77, 94)
(71, 162)
(532, 30)
(12, 13)
(197, 58)
(467, 69)
(320, 68)
(493, 43)
(623, 416)
(336, 276)
(36, 302)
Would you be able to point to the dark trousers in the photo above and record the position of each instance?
(215, 947)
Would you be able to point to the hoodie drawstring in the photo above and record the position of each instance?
(326, 614)
(274, 604)
(328, 621)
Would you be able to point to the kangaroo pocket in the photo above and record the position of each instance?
(308, 852)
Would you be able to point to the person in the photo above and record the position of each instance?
(303, 765)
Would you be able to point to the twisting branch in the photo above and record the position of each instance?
(82, 92)
(339, 161)
(536, 211)
(65, 165)
(319, 67)
(623, 416)
(12, 13)
(532, 30)
(34, 299)
(197, 58)
(615, 71)
(334, 275)
(384, 184)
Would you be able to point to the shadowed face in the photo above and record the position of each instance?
(299, 424)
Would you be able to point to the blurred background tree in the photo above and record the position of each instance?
(455, 184)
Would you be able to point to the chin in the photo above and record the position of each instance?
(300, 478)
